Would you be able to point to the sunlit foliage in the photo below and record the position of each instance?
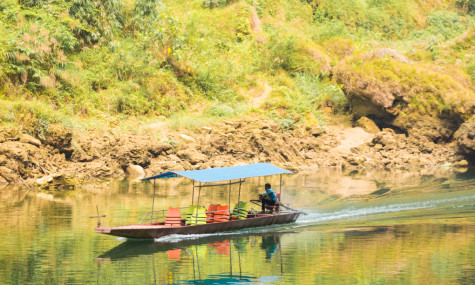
(100, 59)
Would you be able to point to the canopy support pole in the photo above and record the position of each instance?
(239, 195)
(280, 187)
(229, 200)
(193, 195)
(197, 205)
(153, 201)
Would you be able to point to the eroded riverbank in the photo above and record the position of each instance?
(63, 155)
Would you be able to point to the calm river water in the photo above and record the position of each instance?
(366, 227)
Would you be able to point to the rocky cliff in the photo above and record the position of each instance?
(64, 155)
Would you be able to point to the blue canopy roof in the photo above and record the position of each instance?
(225, 173)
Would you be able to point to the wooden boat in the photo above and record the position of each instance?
(207, 178)
(131, 248)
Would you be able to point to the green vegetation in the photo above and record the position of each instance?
(83, 61)
(423, 87)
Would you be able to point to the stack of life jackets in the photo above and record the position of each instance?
(173, 218)
(196, 216)
(240, 211)
(222, 214)
(210, 213)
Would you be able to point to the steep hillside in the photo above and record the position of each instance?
(115, 64)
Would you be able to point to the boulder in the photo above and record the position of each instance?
(59, 137)
(56, 181)
(44, 180)
(14, 150)
(177, 167)
(134, 170)
(29, 139)
(192, 156)
(174, 158)
(158, 148)
(312, 125)
(465, 137)
(352, 137)
(187, 138)
(368, 125)
(460, 164)
(206, 130)
(8, 174)
(355, 160)
(3, 159)
(131, 153)
(385, 139)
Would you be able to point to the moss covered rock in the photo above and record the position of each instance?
(59, 137)
(368, 125)
(416, 98)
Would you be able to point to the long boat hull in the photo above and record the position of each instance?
(149, 231)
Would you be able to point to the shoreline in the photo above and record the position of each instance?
(66, 156)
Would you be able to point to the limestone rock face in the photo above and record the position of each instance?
(29, 139)
(194, 157)
(158, 148)
(386, 139)
(133, 155)
(434, 128)
(417, 99)
(14, 150)
(465, 137)
(59, 137)
(8, 175)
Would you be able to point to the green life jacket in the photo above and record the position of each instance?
(240, 210)
(196, 217)
(190, 211)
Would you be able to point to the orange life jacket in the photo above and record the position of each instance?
(222, 214)
(210, 213)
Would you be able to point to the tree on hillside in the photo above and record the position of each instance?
(146, 13)
(98, 20)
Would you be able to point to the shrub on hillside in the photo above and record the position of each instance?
(317, 94)
(445, 23)
(292, 54)
(392, 18)
(35, 44)
(159, 95)
(98, 20)
(467, 5)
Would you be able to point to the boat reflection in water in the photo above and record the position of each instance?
(213, 259)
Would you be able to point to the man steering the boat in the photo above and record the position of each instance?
(269, 198)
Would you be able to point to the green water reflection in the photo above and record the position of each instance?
(371, 227)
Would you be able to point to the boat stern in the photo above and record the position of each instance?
(103, 230)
